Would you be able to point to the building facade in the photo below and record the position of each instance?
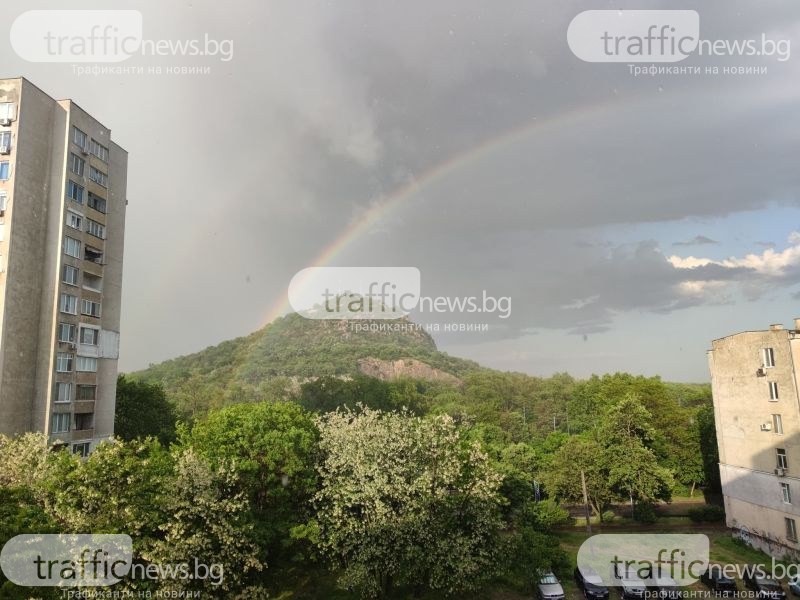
(62, 217)
(754, 383)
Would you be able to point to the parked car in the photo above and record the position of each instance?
(549, 587)
(718, 582)
(794, 585)
(591, 584)
(633, 589)
(665, 588)
(764, 587)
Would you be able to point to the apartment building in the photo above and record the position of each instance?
(754, 383)
(62, 217)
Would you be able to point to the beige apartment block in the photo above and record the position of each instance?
(754, 383)
(62, 218)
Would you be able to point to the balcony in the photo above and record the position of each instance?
(94, 255)
(84, 407)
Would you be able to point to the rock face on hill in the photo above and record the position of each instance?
(404, 367)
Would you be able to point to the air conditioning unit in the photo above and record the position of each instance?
(761, 372)
(6, 122)
(5, 149)
(766, 427)
(780, 472)
(85, 151)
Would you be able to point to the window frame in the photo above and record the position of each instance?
(63, 308)
(72, 185)
(76, 134)
(5, 170)
(773, 391)
(781, 461)
(70, 327)
(85, 359)
(96, 331)
(791, 529)
(57, 392)
(67, 242)
(82, 386)
(768, 357)
(70, 268)
(786, 492)
(67, 357)
(75, 160)
(59, 418)
(85, 302)
(777, 424)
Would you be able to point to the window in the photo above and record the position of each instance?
(74, 192)
(60, 423)
(76, 164)
(90, 308)
(99, 150)
(64, 362)
(791, 529)
(81, 449)
(768, 357)
(773, 390)
(94, 255)
(8, 110)
(70, 275)
(97, 203)
(63, 392)
(3, 201)
(5, 170)
(96, 229)
(69, 304)
(86, 364)
(787, 493)
(78, 137)
(72, 247)
(92, 282)
(777, 424)
(66, 332)
(782, 463)
(5, 139)
(98, 176)
(74, 220)
(86, 392)
(89, 336)
(83, 421)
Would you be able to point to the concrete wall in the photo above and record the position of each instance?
(740, 384)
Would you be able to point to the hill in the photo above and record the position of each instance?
(298, 349)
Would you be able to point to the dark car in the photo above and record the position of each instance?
(591, 584)
(633, 589)
(718, 582)
(664, 588)
(763, 586)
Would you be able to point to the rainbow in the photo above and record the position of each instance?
(364, 222)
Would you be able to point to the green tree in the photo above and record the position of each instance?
(562, 477)
(143, 410)
(273, 446)
(707, 440)
(405, 500)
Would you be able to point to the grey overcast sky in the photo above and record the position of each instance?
(631, 219)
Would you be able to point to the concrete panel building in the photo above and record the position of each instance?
(757, 411)
(62, 218)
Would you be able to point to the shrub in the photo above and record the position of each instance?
(609, 516)
(644, 512)
(709, 513)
